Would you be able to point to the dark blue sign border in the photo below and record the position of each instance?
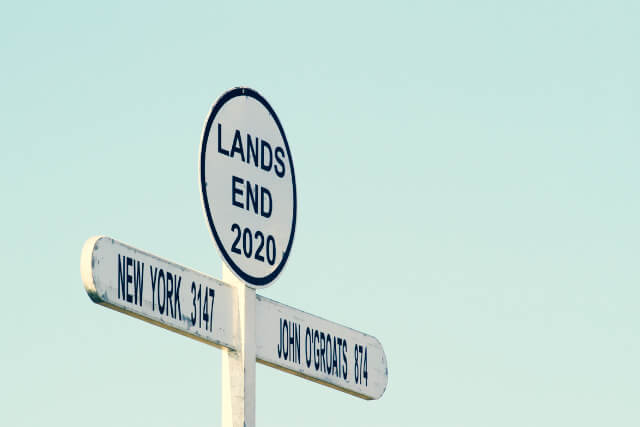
(243, 91)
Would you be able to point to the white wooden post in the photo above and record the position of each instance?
(239, 367)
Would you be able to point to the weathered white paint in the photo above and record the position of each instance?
(239, 367)
(247, 324)
(270, 314)
(248, 186)
(99, 270)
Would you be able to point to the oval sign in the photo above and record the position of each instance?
(248, 186)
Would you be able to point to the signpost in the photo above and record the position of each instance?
(319, 350)
(249, 198)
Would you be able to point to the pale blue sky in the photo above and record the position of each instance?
(468, 193)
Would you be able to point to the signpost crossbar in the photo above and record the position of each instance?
(283, 337)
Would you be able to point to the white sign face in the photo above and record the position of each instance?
(248, 186)
(182, 300)
(319, 350)
(150, 288)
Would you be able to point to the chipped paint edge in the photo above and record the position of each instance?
(86, 273)
(86, 268)
(316, 380)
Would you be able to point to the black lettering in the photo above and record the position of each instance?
(259, 236)
(212, 294)
(323, 360)
(154, 276)
(137, 283)
(307, 347)
(316, 350)
(252, 151)
(252, 197)
(265, 192)
(292, 335)
(247, 243)
(236, 147)
(344, 359)
(194, 309)
(236, 190)
(355, 363)
(234, 246)
(297, 344)
(329, 349)
(164, 290)
(364, 368)
(285, 333)
(281, 344)
(129, 278)
(271, 249)
(339, 351)
(263, 165)
(280, 162)
(334, 364)
(176, 296)
(170, 310)
(220, 149)
(122, 278)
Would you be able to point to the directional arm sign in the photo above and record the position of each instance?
(185, 301)
(158, 291)
(319, 350)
